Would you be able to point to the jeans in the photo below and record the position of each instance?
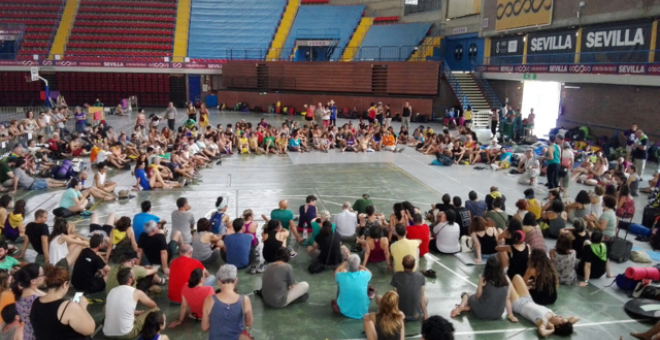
(553, 172)
(209, 281)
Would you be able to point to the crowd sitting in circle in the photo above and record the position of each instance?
(518, 276)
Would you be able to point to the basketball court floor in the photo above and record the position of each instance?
(259, 182)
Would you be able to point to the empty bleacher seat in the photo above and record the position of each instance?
(392, 42)
(324, 22)
(237, 29)
(40, 18)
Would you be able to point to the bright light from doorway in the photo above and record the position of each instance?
(543, 97)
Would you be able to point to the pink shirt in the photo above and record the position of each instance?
(195, 297)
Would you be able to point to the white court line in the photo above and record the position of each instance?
(437, 261)
(513, 330)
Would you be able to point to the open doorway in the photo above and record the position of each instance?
(543, 97)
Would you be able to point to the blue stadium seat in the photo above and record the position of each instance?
(391, 42)
(324, 22)
(233, 29)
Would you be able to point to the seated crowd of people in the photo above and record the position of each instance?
(128, 259)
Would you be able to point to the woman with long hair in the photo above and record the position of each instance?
(64, 245)
(484, 238)
(192, 296)
(153, 325)
(25, 286)
(6, 295)
(533, 234)
(542, 278)
(581, 207)
(56, 315)
(122, 240)
(387, 323)
(376, 247)
(492, 296)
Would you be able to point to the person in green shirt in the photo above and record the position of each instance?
(360, 206)
(146, 278)
(285, 216)
(316, 226)
(6, 175)
(6, 262)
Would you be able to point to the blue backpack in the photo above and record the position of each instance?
(218, 226)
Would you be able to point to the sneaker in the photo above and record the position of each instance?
(261, 268)
(494, 166)
(292, 252)
(86, 213)
(253, 270)
(218, 162)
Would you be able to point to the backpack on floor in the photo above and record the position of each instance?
(64, 171)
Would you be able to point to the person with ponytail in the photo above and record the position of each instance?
(153, 325)
(516, 255)
(387, 323)
(25, 287)
(68, 319)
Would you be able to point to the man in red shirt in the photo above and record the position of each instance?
(372, 113)
(180, 270)
(419, 231)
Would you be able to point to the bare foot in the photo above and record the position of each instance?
(456, 311)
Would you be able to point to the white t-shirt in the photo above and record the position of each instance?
(346, 223)
(447, 237)
(193, 148)
(102, 156)
(493, 147)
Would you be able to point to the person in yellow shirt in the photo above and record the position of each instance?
(403, 247)
(468, 117)
(533, 205)
(243, 146)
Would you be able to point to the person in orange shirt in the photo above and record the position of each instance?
(6, 295)
(389, 142)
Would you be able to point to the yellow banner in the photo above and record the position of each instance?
(522, 13)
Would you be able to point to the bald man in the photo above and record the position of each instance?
(285, 216)
(409, 284)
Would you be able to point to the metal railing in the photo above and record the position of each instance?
(380, 53)
(486, 89)
(628, 57)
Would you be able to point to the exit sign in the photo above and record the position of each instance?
(529, 76)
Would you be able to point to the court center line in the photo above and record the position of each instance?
(437, 261)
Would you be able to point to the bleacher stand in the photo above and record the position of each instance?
(324, 22)
(233, 29)
(121, 29)
(392, 42)
(40, 17)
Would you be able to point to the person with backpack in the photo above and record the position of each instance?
(219, 218)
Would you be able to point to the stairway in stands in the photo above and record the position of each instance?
(64, 29)
(468, 91)
(181, 31)
(357, 38)
(283, 30)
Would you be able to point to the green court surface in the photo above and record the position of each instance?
(259, 182)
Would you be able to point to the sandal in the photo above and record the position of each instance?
(163, 281)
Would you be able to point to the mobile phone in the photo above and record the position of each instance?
(77, 296)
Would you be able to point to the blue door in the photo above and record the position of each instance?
(461, 52)
(194, 88)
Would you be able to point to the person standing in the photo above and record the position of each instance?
(551, 157)
(170, 115)
(640, 152)
(406, 112)
(631, 140)
(191, 112)
(494, 119)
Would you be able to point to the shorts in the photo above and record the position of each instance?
(62, 263)
(468, 121)
(98, 229)
(39, 184)
(309, 119)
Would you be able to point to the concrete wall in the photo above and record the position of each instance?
(508, 89)
(297, 100)
(608, 107)
(594, 12)
(446, 98)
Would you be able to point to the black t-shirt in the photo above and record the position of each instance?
(86, 267)
(638, 153)
(443, 207)
(152, 246)
(405, 112)
(598, 266)
(34, 231)
(329, 246)
(490, 199)
(578, 244)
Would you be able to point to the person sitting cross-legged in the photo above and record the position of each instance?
(237, 248)
(227, 314)
(122, 319)
(352, 280)
(409, 285)
(192, 297)
(279, 287)
(153, 245)
(90, 270)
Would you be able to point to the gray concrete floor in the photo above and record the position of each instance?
(259, 182)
